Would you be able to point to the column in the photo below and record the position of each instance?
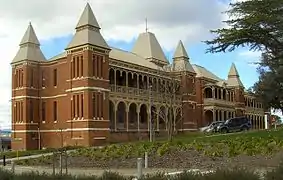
(148, 117)
(138, 118)
(213, 93)
(127, 117)
(214, 115)
(115, 116)
(221, 97)
(222, 114)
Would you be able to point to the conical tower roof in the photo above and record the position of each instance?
(148, 47)
(87, 31)
(180, 51)
(29, 36)
(181, 60)
(87, 18)
(234, 77)
(29, 47)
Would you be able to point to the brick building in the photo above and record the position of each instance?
(92, 93)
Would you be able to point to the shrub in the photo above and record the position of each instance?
(235, 174)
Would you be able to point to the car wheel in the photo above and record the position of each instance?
(245, 129)
(224, 130)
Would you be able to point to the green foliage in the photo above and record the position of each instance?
(263, 143)
(254, 23)
(257, 24)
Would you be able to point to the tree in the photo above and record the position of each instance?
(269, 87)
(257, 24)
(170, 94)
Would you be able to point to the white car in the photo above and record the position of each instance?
(211, 127)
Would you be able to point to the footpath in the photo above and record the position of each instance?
(88, 171)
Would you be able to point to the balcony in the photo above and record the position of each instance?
(212, 101)
(143, 93)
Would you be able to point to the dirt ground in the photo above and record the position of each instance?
(177, 160)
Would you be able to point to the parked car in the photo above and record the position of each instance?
(235, 124)
(211, 127)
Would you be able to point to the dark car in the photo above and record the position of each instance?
(235, 124)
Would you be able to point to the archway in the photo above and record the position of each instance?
(112, 115)
(143, 116)
(112, 76)
(208, 116)
(208, 93)
(133, 118)
(224, 94)
(121, 115)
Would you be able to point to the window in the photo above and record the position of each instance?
(74, 106)
(82, 105)
(93, 105)
(22, 78)
(31, 78)
(82, 66)
(78, 106)
(55, 77)
(31, 111)
(22, 112)
(73, 68)
(55, 110)
(93, 65)
(78, 67)
(43, 111)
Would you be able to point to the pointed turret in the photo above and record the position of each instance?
(180, 51)
(234, 78)
(149, 48)
(87, 31)
(29, 47)
(87, 18)
(181, 59)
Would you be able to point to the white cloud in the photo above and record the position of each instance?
(170, 20)
(250, 57)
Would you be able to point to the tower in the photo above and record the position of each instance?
(88, 88)
(182, 66)
(148, 47)
(25, 92)
(234, 82)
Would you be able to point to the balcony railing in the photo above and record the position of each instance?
(142, 92)
(211, 101)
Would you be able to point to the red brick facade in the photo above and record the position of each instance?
(85, 97)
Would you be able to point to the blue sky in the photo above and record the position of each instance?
(218, 63)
